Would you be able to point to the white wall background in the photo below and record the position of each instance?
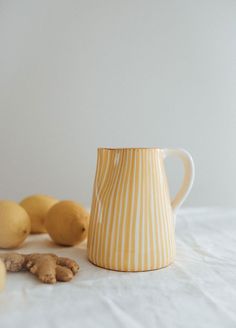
(78, 74)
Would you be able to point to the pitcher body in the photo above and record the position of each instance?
(131, 222)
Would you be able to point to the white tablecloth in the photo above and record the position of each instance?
(198, 290)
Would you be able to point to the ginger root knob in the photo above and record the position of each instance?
(2, 275)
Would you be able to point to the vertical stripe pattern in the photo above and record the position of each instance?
(131, 222)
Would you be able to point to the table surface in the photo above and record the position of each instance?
(198, 290)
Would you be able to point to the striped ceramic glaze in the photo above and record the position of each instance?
(132, 217)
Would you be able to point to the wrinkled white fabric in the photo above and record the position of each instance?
(198, 290)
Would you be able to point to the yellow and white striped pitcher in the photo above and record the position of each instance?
(132, 224)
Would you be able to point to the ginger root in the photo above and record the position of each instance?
(2, 275)
(49, 268)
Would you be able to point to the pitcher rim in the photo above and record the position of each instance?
(128, 148)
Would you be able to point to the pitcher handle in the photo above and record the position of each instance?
(189, 173)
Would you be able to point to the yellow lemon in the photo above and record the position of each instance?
(2, 275)
(67, 223)
(14, 224)
(37, 207)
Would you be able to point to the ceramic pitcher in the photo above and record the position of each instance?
(132, 221)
